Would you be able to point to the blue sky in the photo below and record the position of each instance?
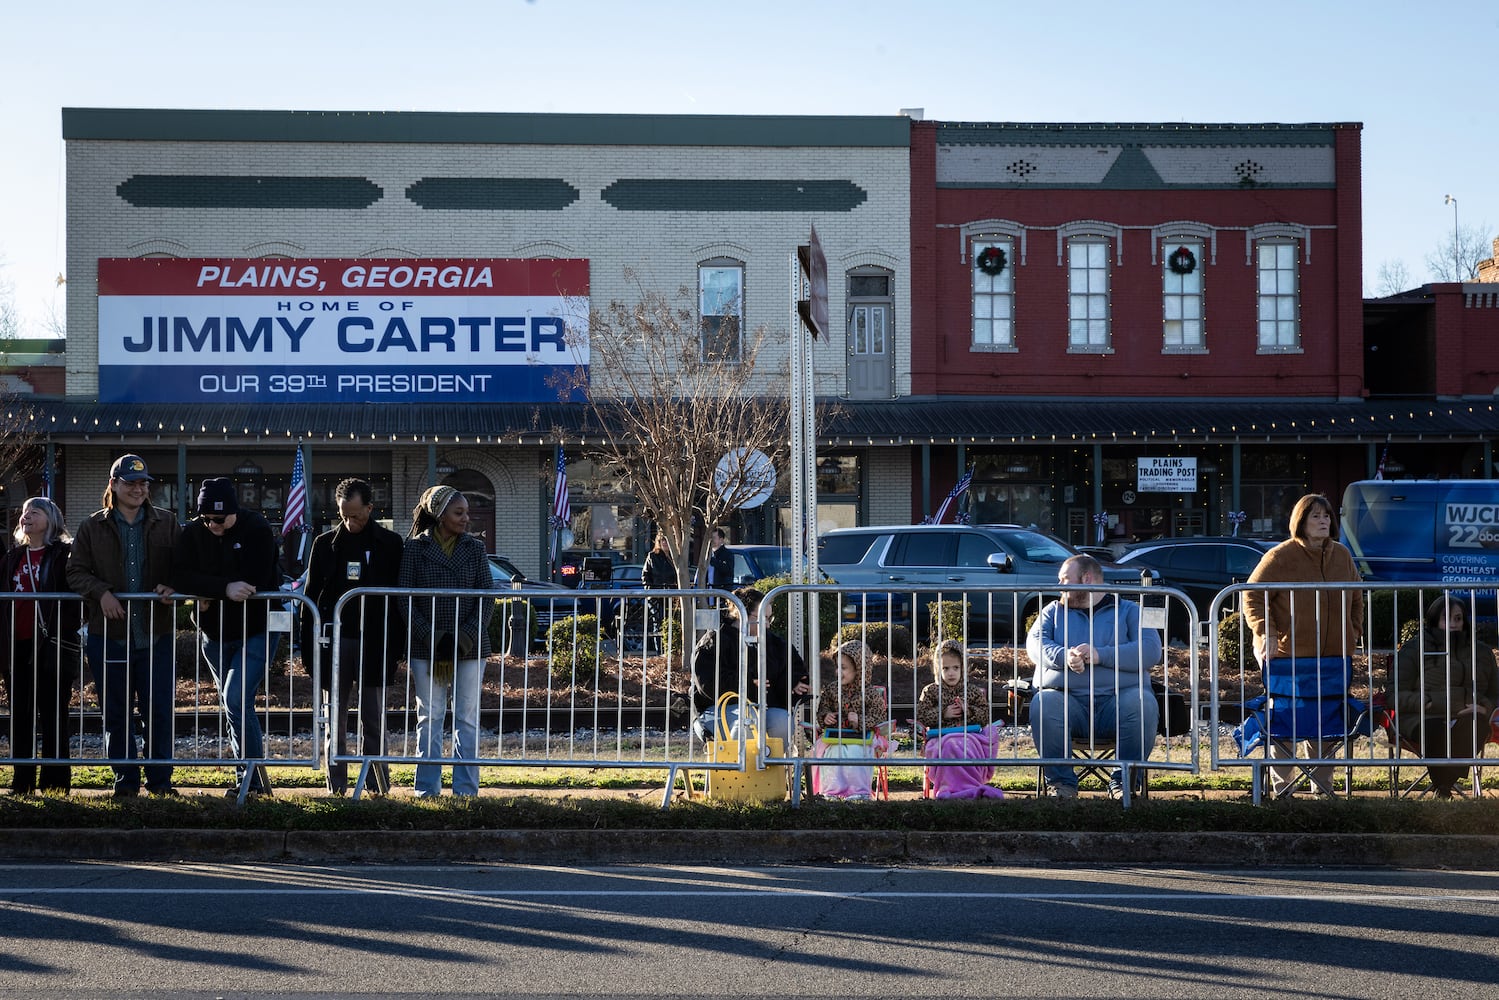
(1418, 76)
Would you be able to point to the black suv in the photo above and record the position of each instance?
(891, 571)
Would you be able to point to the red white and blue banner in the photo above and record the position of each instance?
(457, 331)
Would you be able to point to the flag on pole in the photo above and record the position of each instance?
(296, 498)
(562, 508)
(1379, 470)
(958, 490)
(47, 480)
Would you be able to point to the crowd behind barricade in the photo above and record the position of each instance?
(1319, 679)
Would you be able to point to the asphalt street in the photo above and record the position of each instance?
(241, 930)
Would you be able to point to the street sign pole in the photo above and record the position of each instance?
(809, 320)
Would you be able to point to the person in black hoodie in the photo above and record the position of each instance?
(356, 553)
(40, 677)
(225, 557)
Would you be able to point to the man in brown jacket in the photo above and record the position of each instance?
(126, 548)
(1309, 623)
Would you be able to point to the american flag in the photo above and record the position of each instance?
(296, 498)
(562, 508)
(958, 490)
(1379, 472)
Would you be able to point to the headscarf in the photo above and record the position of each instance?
(435, 499)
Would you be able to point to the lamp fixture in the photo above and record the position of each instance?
(247, 469)
(444, 467)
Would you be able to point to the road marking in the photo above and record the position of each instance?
(443, 892)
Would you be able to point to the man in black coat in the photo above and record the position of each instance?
(227, 556)
(356, 553)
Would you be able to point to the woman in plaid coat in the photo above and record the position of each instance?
(449, 635)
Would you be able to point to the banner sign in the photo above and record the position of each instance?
(1166, 475)
(471, 330)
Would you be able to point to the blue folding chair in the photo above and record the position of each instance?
(1306, 698)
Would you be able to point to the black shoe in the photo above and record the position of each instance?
(126, 793)
(164, 793)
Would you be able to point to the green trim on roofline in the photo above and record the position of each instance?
(249, 191)
(1106, 186)
(1165, 134)
(687, 195)
(169, 125)
(492, 194)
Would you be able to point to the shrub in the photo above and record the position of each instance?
(946, 619)
(499, 622)
(573, 647)
(892, 640)
(1389, 610)
(779, 609)
(670, 633)
(1409, 630)
(1235, 641)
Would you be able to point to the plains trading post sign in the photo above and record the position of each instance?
(1166, 475)
(330, 331)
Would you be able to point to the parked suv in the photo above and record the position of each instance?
(889, 572)
(1199, 566)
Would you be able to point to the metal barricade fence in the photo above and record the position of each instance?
(579, 678)
(152, 690)
(1369, 699)
(991, 625)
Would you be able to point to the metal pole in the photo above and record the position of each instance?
(1457, 267)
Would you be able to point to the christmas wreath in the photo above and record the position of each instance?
(991, 260)
(1182, 261)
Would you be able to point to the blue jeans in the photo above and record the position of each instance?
(128, 679)
(238, 667)
(432, 712)
(1129, 718)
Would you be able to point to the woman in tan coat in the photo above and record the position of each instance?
(1310, 623)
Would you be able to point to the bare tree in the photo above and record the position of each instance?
(1456, 258)
(18, 437)
(1394, 277)
(686, 407)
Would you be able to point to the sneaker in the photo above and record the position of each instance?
(125, 792)
(1064, 792)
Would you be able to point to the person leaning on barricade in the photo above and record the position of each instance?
(356, 553)
(449, 635)
(39, 676)
(1446, 687)
(225, 557)
(126, 548)
(1093, 663)
(1305, 623)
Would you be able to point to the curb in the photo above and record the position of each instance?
(745, 847)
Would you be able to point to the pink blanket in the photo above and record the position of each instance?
(963, 781)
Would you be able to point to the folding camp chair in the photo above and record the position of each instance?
(1382, 708)
(1306, 698)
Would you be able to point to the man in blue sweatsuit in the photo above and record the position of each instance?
(1092, 676)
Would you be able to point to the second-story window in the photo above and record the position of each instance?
(1279, 310)
(993, 294)
(720, 289)
(1088, 296)
(1181, 296)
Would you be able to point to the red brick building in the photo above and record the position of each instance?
(1155, 325)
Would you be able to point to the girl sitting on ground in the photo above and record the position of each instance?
(851, 719)
(953, 714)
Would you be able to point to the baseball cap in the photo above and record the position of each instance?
(130, 469)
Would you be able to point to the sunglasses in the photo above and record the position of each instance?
(214, 520)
